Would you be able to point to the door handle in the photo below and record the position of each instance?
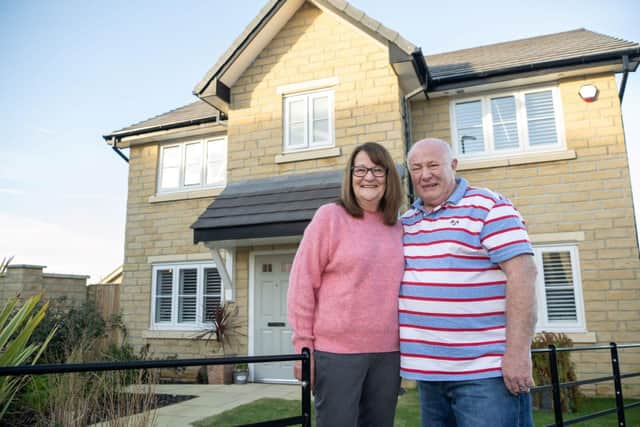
(276, 324)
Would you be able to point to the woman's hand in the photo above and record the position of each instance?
(297, 371)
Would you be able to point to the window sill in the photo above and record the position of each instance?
(308, 155)
(185, 195)
(518, 159)
(174, 335)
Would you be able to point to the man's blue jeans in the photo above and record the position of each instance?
(475, 403)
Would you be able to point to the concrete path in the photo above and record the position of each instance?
(215, 399)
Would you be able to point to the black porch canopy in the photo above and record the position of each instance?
(270, 207)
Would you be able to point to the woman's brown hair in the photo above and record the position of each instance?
(392, 197)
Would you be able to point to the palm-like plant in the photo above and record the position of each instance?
(15, 330)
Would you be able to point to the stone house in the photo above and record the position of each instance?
(220, 190)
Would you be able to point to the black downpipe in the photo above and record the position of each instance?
(422, 71)
(625, 75)
(118, 151)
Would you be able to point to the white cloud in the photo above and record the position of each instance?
(85, 249)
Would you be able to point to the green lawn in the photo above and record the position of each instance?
(407, 414)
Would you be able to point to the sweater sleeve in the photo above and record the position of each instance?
(306, 277)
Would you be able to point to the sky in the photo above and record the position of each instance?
(72, 71)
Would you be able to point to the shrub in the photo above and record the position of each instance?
(569, 396)
(77, 324)
(16, 328)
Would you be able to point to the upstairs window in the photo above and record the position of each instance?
(193, 165)
(503, 124)
(559, 289)
(185, 296)
(308, 121)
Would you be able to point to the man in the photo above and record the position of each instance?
(467, 300)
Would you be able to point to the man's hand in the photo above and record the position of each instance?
(516, 372)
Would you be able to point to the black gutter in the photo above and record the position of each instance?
(142, 131)
(117, 150)
(584, 60)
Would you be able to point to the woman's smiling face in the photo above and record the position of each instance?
(368, 189)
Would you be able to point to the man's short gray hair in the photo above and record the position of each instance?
(444, 144)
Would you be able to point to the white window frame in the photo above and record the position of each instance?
(182, 187)
(173, 324)
(544, 324)
(308, 97)
(522, 124)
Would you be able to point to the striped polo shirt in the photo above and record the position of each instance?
(452, 297)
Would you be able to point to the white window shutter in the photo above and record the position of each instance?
(468, 116)
(559, 286)
(212, 295)
(187, 295)
(164, 292)
(505, 126)
(541, 122)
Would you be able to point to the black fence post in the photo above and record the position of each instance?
(555, 385)
(617, 384)
(306, 387)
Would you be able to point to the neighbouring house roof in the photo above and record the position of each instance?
(270, 207)
(115, 277)
(197, 112)
(576, 47)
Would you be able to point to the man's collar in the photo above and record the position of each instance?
(454, 198)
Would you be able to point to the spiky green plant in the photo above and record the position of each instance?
(16, 327)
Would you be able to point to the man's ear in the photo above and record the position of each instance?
(454, 164)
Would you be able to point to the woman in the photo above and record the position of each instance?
(343, 295)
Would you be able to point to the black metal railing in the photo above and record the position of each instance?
(616, 376)
(303, 419)
(305, 413)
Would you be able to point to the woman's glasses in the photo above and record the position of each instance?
(361, 171)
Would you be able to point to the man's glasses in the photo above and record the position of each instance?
(361, 171)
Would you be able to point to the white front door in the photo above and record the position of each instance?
(272, 332)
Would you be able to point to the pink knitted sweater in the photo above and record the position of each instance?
(344, 284)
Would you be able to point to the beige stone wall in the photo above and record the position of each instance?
(589, 194)
(29, 280)
(152, 230)
(313, 45)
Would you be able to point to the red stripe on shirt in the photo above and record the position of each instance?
(430, 328)
(515, 242)
(436, 242)
(425, 313)
(452, 299)
(457, 270)
(476, 371)
(463, 230)
(453, 359)
(505, 230)
(448, 344)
